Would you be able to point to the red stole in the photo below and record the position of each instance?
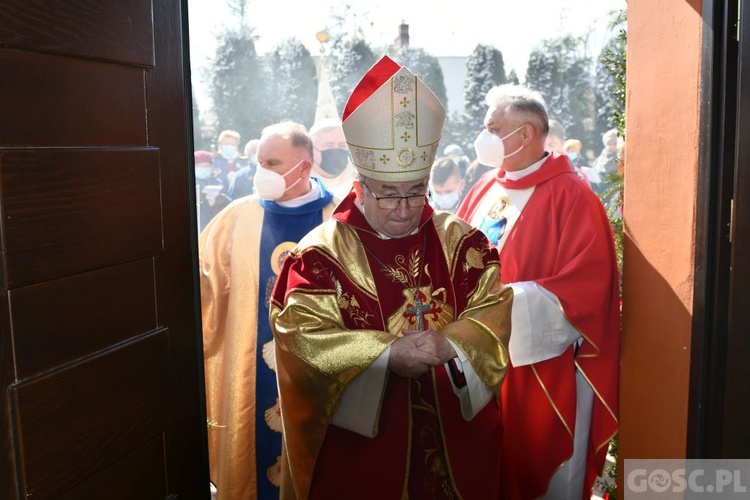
(562, 241)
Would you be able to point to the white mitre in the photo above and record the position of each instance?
(393, 123)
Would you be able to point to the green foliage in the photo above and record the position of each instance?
(350, 65)
(611, 111)
(484, 69)
(426, 67)
(561, 72)
(238, 85)
(610, 78)
(295, 82)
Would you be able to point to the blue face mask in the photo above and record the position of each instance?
(202, 173)
(573, 156)
(229, 151)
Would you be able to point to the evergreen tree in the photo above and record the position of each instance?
(560, 71)
(295, 82)
(199, 142)
(484, 69)
(513, 77)
(426, 67)
(351, 63)
(238, 85)
(610, 80)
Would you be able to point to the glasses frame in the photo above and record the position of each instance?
(412, 200)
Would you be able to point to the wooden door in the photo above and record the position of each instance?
(720, 372)
(100, 352)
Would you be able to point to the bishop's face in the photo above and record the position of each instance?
(392, 208)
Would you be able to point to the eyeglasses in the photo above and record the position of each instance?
(392, 202)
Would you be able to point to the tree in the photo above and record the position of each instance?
(238, 85)
(197, 137)
(561, 71)
(513, 77)
(610, 80)
(351, 64)
(426, 67)
(484, 69)
(295, 82)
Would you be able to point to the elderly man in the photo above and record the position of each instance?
(240, 252)
(559, 401)
(391, 323)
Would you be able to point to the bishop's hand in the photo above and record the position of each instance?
(408, 360)
(433, 343)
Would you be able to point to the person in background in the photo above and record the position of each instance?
(555, 143)
(242, 183)
(331, 156)
(446, 185)
(555, 137)
(227, 156)
(559, 400)
(473, 173)
(210, 182)
(456, 153)
(607, 161)
(240, 255)
(390, 322)
(573, 150)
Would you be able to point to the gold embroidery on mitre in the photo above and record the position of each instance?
(273, 417)
(405, 157)
(269, 354)
(273, 473)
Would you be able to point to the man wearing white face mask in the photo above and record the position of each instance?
(446, 185)
(240, 253)
(559, 400)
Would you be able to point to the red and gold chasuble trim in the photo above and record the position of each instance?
(334, 316)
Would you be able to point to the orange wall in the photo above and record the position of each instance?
(662, 120)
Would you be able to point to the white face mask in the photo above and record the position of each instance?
(447, 201)
(490, 148)
(270, 185)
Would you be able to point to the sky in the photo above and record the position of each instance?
(446, 28)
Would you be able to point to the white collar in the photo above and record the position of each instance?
(520, 174)
(309, 196)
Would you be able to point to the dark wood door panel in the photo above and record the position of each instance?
(58, 101)
(121, 30)
(56, 204)
(139, 475)
(7, 377)
(75, 422)
(58, 321)
(98, 244)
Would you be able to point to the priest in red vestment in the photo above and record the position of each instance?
(391, 324)
(559, 400)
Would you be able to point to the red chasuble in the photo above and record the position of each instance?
(562, 241)
(342, 297)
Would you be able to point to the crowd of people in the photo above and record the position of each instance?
(372, 301)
